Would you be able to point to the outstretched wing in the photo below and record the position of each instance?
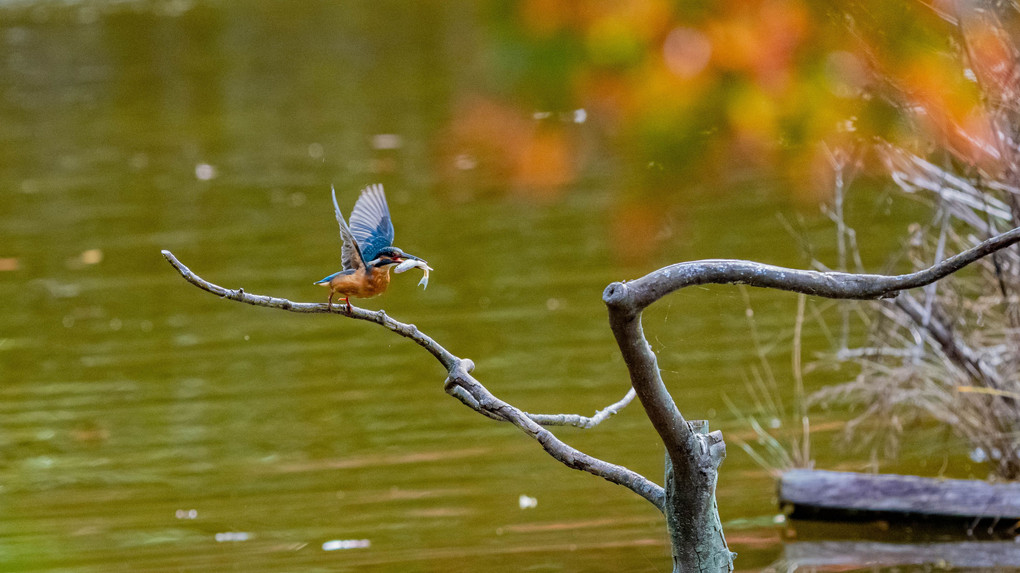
(370, 222)
(350, 253)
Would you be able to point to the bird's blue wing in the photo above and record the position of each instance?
(350, 253)
(370, 222)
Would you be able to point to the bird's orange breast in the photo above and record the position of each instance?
(361, 284)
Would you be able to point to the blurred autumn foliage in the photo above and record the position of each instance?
(689, 92)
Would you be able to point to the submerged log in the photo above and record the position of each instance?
(829, 495)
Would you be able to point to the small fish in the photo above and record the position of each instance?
(415, 263)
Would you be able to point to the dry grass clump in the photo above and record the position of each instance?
(952, 350)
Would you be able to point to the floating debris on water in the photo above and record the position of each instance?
(527, 502)
(233, 536)
(338, 544)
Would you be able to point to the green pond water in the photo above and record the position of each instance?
(148, 426)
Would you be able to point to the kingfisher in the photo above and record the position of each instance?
(368, 252)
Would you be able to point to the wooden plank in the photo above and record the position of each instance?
(819, 493)
(859, 554)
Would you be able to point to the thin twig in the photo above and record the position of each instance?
(584, 421)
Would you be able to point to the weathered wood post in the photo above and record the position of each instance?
(692, 513)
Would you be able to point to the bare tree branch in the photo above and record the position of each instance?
(693, 455)
(952, 346)
(634, 296)
(627, 300)
(461, 385)
(460, 376)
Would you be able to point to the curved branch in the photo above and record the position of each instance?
(461, 385)
(626, 301)
(635, 296)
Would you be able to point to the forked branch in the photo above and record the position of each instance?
(627, 300)
(693, 454)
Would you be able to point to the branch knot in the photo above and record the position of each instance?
(617, 296)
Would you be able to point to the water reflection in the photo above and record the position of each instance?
(921, 542)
